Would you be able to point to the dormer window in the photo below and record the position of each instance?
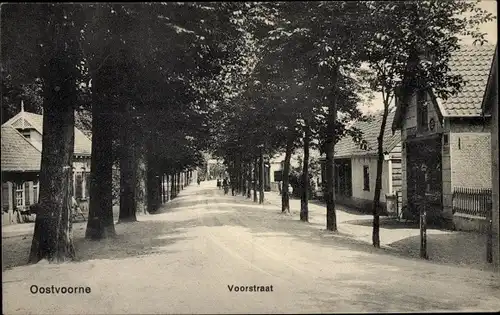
(26, 133)
(422, 111)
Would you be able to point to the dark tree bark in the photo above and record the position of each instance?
(331, 217)
(100, 222)
(285, 196)
(249, 180)
(153, 188)
(141, 183)
(167, 187)
(52, 239)
(173, 189)
(178, 177)
(304, 206)
(261, 177)
(378, 182)
(255, 178)
(243, 179)
(128, 172)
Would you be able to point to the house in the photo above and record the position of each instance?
(446, 144)
(356, 165)
(490, 108)
(21, 156)
(274, 168)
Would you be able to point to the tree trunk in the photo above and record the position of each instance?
(255, 179)
(100, 222)
(304, 206)
(153, 184)
(167, 187)
(52, 238)
(331, 217)
(128, 171)
(141, 189)
(243, 179)
(261, 177)
(285, 196)
(178, 176)
(249, 180)
(378, 182)
(172, 186)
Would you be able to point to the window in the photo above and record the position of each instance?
(19, 188)
(26, 133)
(366, 178)
(422, 110)
(35, 191)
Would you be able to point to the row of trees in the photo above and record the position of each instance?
(311, 63)
(163, 82)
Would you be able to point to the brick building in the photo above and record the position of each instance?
(446, 144)
(21, 156)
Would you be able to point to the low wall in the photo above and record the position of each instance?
(471, 223)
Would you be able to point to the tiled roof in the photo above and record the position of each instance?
(83, 145)
(18, 154)
(473, 63)
(370, 129)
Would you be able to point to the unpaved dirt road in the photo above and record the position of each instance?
(187, 259)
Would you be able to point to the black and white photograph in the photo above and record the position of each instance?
(281, 157)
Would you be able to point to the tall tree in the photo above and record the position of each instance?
(52, 238)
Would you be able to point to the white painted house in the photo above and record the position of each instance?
(356, 165)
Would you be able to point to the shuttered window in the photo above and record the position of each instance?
(27, 189)
(78, 186)
(5, 196)
(35, 191)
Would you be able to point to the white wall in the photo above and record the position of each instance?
(357, 164)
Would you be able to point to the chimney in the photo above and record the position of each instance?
(22, 112)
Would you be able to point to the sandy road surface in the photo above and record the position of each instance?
(183, 260)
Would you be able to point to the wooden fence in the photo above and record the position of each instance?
(471, 201)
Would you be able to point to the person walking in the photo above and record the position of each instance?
(218, 183)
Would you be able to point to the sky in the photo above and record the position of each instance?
(489, 28)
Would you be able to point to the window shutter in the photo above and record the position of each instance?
(79, 187)
(35, 192)
(5, 196)
(27, 194)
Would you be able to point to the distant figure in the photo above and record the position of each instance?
(218, 183)
(225, 184)
(198, 180)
